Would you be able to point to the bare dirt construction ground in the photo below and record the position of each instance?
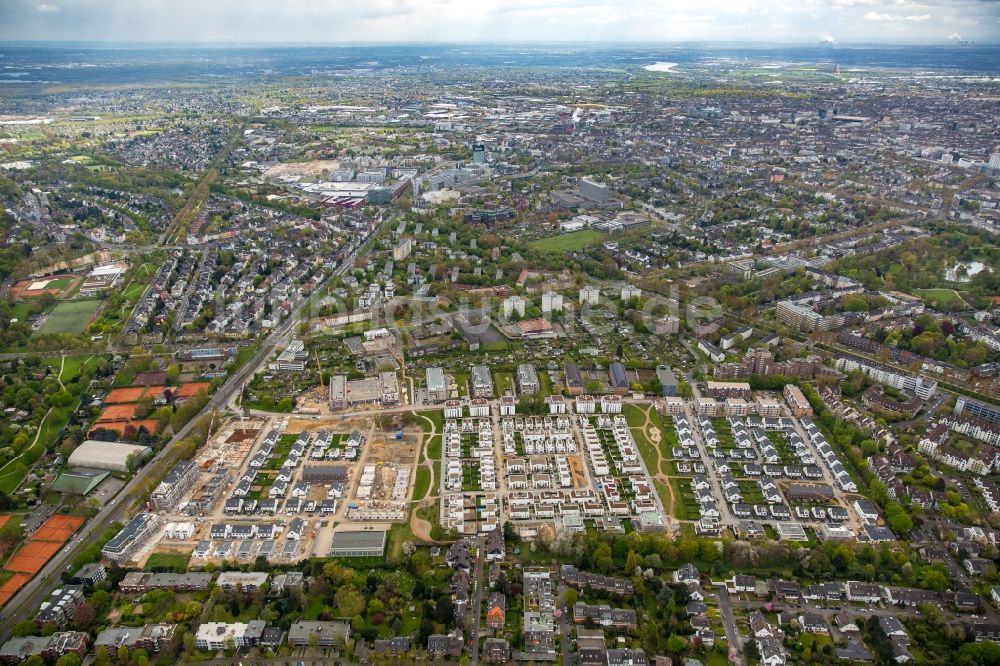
(579, 474)
(315, 398)
(384, 446)
(302, 168)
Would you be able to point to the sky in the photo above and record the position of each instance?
(342, 21)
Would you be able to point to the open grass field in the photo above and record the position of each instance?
(943, 297)
(422, 483)
(74, 364)
(71, 316)
(574, 240)
(168, 561)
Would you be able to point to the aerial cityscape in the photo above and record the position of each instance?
(373, 337)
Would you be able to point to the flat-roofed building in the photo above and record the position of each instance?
(527, 379)
(135, 533)
(975, 408)
(481, 382)
(144, 581)
(242, 581)
(797, 401)
(723, 390)
(358, 543)
(437, 385)
(668, 382)
(151, 638)
(178, 481)
(323, 634)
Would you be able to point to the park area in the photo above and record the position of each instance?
(945, 298)
(70, 317)
(574, 240)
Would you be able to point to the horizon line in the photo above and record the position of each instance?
(463, 42)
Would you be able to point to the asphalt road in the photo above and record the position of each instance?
(27, 600)
(477, 604)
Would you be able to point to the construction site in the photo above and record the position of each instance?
(280, 488)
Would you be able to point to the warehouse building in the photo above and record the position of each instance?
(358, 543)
(112, 456)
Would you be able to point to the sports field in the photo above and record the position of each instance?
(37, 550)
(574, 240)
(71, 316)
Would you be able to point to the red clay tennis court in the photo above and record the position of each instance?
(11, 586)
(123, 395)
(58, 527)
(3, 519)
(152, 425)
(37, 550)
(44, 543)
(118, 412)
(32, 556)
(192, 389)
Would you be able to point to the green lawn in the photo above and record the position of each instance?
(943, 297)
(422, 483)
(575, 240)
(73, 365)
(168, 561)
(635, 416)
(71, 316)
(433, 451)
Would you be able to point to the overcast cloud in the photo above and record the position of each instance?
(337, 21)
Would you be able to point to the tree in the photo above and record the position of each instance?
(444, 610)
(349, 601)
(85, 616)
(676, 645)
(122, 655)
(25, 628)
(69, 659)
(898, 520)
(101, 657)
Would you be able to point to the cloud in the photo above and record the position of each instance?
(891, 18)
(347, 21)
(826, 38)
(954, 37)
